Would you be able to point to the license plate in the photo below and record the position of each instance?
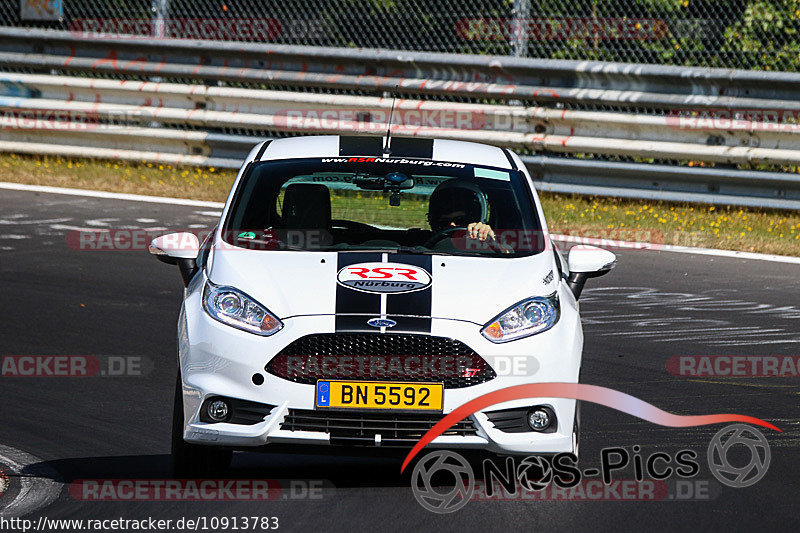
(380, 395)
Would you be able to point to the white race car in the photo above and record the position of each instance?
(356, 289)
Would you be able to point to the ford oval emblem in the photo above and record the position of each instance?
(381, 323)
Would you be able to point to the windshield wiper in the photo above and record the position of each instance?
(260, 244)
(410, 250)
(413, 250)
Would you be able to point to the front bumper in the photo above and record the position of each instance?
(217, 360)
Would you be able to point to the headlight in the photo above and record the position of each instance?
(233, 307)
(524, 319)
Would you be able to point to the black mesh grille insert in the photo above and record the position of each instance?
(360, 428)
(381, 356)
(242, 411)
(516, 420)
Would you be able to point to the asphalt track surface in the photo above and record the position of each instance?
(654, 305)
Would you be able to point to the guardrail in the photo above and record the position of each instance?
(173, 101)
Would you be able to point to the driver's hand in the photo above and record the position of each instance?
(479, 230)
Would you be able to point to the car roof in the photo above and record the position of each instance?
(372, 146)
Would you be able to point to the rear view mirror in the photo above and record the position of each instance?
(394, 181)
(177, 249)
(587, 262)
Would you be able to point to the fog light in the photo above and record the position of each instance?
(539, 418)
(218, 410)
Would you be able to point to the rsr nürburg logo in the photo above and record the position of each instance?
(384, 277)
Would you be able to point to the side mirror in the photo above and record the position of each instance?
(178, 249)
(587, 262)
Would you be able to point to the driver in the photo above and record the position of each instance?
(460, 203)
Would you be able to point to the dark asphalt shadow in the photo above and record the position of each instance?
(342, 471)
(352, 470)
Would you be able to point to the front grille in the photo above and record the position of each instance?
(380, 357)
(360, 428)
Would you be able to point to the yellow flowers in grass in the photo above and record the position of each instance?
(118, 175)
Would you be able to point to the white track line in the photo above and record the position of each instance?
(563, 238)
(109, 195)
(673, 248)
(37, 485)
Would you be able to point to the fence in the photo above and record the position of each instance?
(210, 102)
(747, 34)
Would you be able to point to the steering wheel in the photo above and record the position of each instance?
(442, 234)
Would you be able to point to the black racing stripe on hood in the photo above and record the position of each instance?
(350, 302)
(417, 303)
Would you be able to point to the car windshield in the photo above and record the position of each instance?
(386, 204)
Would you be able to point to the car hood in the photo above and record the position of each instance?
(294, 283)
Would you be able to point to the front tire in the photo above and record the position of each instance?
(192, 460)
(576, 431)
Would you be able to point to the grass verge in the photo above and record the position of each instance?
(724, 227)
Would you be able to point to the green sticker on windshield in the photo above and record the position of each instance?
(247, 235)
(491, 174)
